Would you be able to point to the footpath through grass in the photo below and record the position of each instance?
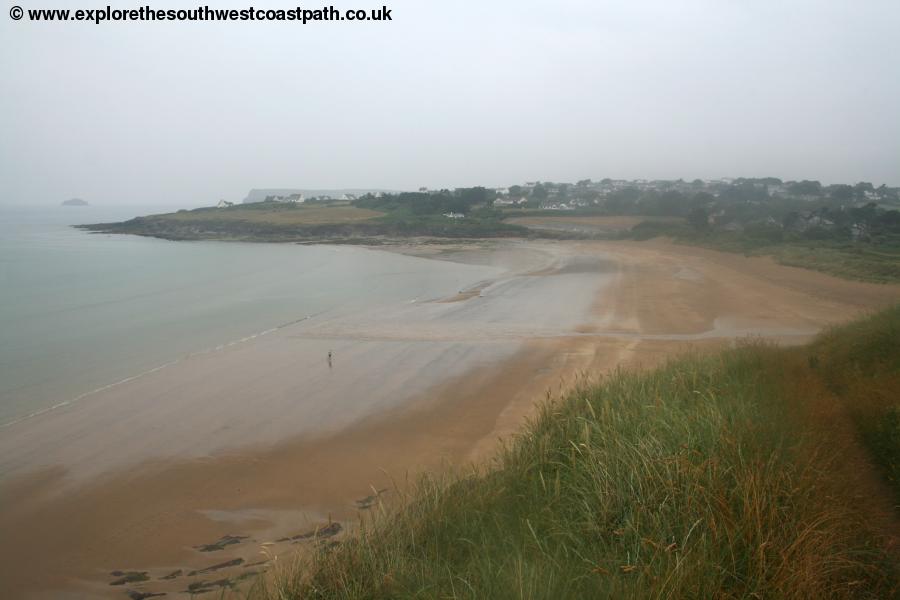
(744, 474)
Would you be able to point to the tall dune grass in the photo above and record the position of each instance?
(860, 363)
(701, 479)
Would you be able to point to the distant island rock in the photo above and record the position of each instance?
(75, 202)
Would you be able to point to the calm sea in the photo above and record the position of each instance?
(80, 311)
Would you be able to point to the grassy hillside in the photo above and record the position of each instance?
(277, 213)
(334, 222)
(755, 473)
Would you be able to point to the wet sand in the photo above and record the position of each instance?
(264, 440)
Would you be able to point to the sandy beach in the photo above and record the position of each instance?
(265, 441)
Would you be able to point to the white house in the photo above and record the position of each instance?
(509, 201)
(224, 204)
(293, 199)
(454, 215)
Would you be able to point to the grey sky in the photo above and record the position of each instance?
(447, 94)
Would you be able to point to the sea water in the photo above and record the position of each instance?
(80, 311)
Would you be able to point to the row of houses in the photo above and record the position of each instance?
(769, 186)
(296, 198)
(510, 200)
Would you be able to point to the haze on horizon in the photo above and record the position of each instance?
(447, 94)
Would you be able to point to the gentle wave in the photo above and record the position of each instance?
(108, 386)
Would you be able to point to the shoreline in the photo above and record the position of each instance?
(404, 348)
(266, 493)
(652, 302)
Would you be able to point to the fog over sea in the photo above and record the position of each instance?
(80, 311)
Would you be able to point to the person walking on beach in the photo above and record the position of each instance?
(329, 359)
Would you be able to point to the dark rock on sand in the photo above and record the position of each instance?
(135, 595)
(319, 533)
(221, 543)
(173, 574)
(256, 564)
(128, 577)
(224, 565)
(202, 587)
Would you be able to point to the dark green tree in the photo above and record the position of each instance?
(805, 188)
(699, 219)
(841, 192)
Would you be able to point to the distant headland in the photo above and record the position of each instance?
(75, 202)
(850, 230)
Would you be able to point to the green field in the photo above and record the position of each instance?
(758, 472)
(320, 222)
(277, 213)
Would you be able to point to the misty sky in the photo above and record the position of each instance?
(448, 94)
